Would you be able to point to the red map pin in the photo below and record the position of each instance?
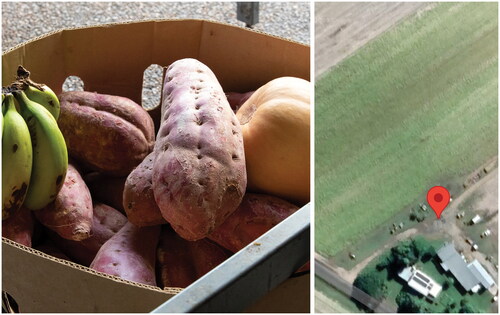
(438, 198)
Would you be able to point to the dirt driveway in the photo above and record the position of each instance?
(343, 27)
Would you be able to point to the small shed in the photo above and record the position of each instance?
(476, 219)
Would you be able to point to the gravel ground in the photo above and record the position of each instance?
(22, 21)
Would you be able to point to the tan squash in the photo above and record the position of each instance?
(276, 127)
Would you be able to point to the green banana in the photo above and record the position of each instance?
(50, 155)
(45, 97)
(16, 158)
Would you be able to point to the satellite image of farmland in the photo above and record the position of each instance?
(406, 98)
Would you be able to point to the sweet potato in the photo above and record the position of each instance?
(181, 262)
(130, 254)
(138, 198)
(19, 227)
(70, 215)
(49, 248)
(107, 222)
(237, 99)
(256, 215)
(109, 134)
(106, 189)
(199, 175)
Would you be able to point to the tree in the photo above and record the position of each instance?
(409, 303)
(450, 306)
(467, 308)
(448, 283)
(384, 262)
(403, 255)
(371, 282)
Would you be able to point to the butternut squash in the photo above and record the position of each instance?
(275, 123)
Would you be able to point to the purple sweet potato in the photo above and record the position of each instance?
(109, 134)
(70, 214)
(130, 254)
(19, 227)
(199, 175)
(138, 198)
(237, 99)
(49, 248)
(107, 222)
(106, 189)
(181, 262)
(255, 215)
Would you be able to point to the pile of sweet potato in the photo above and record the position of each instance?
(161, 211)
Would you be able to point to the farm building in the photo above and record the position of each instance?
(471, 276)
(420, 282)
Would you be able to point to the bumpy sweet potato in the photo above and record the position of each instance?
(106, 189)
(107, 222)
(256, 215)
(110, 134)
(130, 254)
(199, 175)
(138, 198)
(181, 262)
(19, 227)
(70, 215)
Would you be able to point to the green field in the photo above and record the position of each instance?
(410, 110)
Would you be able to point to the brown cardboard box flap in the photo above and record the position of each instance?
(58, 285)
(111, 59)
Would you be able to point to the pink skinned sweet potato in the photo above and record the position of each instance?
(199, 175)
(256, 215)
(107, 222)
(70, 215)
(109, 134)
(138, 198)
(130, 254)
(19, 227)
(237, 99)
(181, 262)
(49, 248)
(106, 189)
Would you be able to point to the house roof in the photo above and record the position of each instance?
(420, 282)
(481, 274)
(406, 273)
(457, 266)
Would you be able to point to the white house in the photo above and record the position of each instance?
(420, 282)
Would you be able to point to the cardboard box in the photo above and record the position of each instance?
(111, 59)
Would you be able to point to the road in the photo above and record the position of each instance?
(326, 273)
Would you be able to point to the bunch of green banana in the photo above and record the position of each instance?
(16, 158)
(50, 156)
(34, 172)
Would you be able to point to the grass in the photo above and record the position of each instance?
(415, 107)
(333, 294)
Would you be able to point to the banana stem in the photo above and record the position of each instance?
(22, 82)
